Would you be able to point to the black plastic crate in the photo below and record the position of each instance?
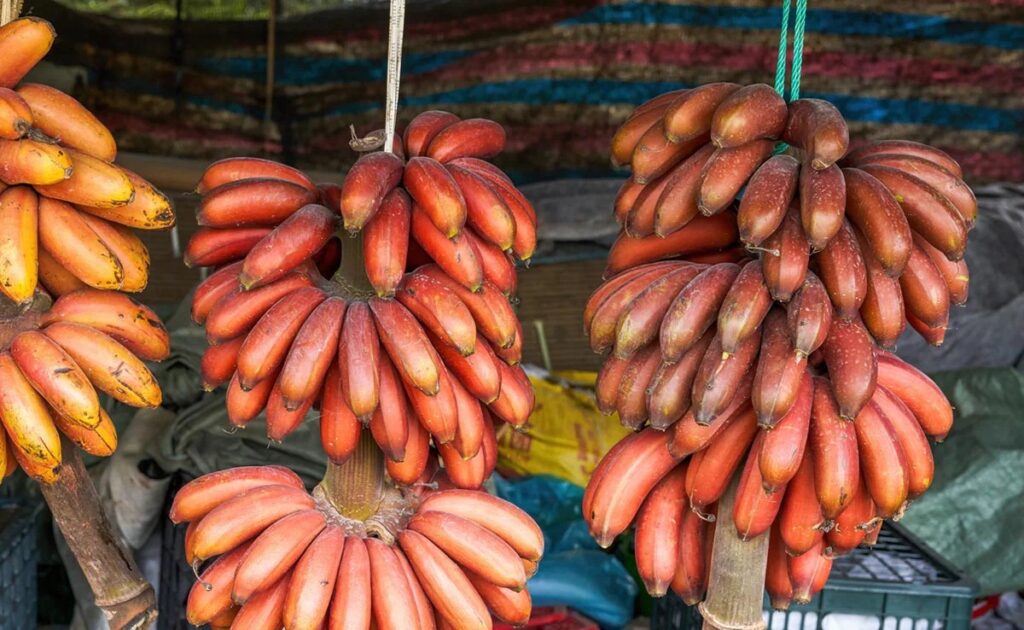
(19, 557)
(176, 576)
(899, 579)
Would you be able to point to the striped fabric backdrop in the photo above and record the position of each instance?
(559, 74)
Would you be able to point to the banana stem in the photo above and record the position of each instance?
(351, 275)
(356, 486)
(125, 597)
(736, 583)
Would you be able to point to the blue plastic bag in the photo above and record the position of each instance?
(575, 572)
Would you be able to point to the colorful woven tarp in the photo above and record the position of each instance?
(560, 75)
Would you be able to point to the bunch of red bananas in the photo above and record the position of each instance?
(774, 364)
(422, 346)
(65, 218)
(886, 234)
(65, 208)
(430, 352)
(288, 559)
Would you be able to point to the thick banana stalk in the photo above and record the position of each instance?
(736, 579)
(126, 598)
(356, 487)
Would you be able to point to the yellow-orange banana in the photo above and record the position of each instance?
(28, 423)
(100, 440)
(62, 117)
(33, 162)
(15, 116)
(128, 248)
(130, 323)
(23, 43)
(19, 245)
(57, 378)
(65, 235)
(149, 210)
(111, 367)
(93, 183)
(54, 277)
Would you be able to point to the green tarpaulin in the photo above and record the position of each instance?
(974, 512)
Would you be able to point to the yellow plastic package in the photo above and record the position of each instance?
(566, 435)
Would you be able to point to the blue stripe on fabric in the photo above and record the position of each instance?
(598, 92)
(837, 22)
(139, 87)
(319, 70)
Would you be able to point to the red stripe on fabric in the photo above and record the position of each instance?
(988, 166)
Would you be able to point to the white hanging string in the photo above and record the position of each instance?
(396, 29)
(9, 10)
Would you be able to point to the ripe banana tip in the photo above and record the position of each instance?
(802, 597)
(820, 165)
(832, 553)
(640, 180)
(656, 588)
(676, 454)
(704, 417)
(778, 603)
(246, 281)
(769, 489)
(871, 524)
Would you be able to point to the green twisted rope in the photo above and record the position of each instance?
(799, 27)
